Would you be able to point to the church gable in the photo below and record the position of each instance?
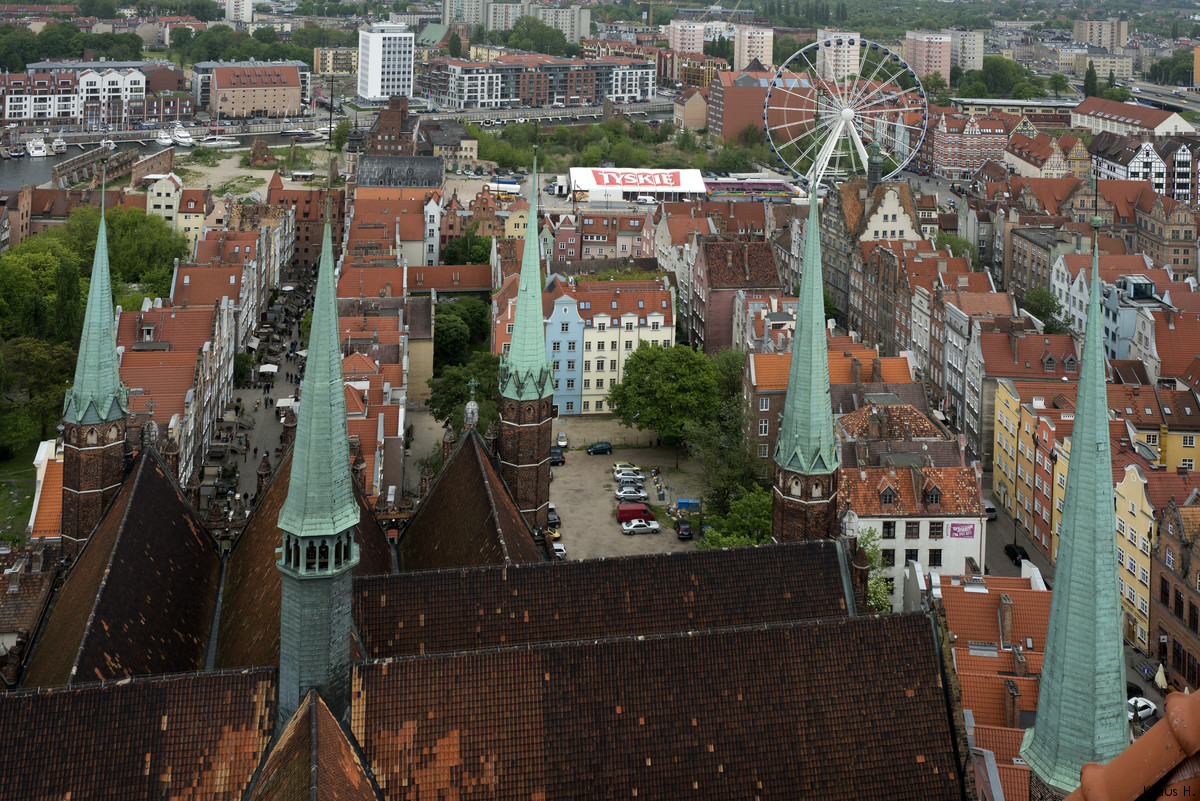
(140, 597)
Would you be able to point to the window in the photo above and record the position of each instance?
(571, 347)
(570, 383)
(1187, 464)
(506, 344)
(629, 326)
(912, 555)
(1178, 604)
(1193, 617)
(1170, 560)
(556, 346)
(889, 557)
(1189, 440)
(613, 345)
(763, 427)
(587, 405)
(1143, 606)
(1144, 576)
(935, 531)
(888, 496)
(1164, 591)
(764, 451)
(629, 344)
(570, 404)
(587, 383)
(587, 366)
(1152, 439)
(599, 405)
(912, 530)
(566, 327)
(935, 557)
(509, 328)
(556, 385)
(889, 529)
(556, 365)
(933, 496)
(599, 364)
(764, 404)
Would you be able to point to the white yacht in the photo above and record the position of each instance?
(108, 143)
(163, 137)
(59, 146)
(218, 142)
(182, 138)
(36, 147)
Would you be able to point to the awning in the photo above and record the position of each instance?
(1160, 678)
(303, 354)
(253, 343)
(287, 288)
(645, 181)
(269, 368)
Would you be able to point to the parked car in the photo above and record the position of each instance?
(640, 527)
(552, 518)
(633, 474)
(560, 551)
(630, 482)
(683, 530)
(1016, 553)
(630, 494)
(1141, 708)
(599, 447)
(553, 533)
(989, 510)
(561, 440)
(619, 466)
(556, 456)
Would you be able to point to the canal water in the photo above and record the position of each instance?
(15, 173)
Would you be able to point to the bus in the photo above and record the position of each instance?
(504, 190)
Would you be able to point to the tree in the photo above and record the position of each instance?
(450, 337)
(1090, 81)
(973, 89)
(454, 45)
(1112, 79)
(1059, 83)
(783, 49)
(266, 34)
(1027, 91)
(305, 329)
(1041, 303)
(450, 390)
(958, 246)
(468, 248)
(831, 309)
(243, 363)
(68, 304)
(933, 82)
(1117, 93)
(721, 443)
(748, 522)
(474, 312)
(956, 75)
(662, 388)
(341, 133)
(879, 594)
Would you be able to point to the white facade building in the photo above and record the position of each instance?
(102, 92)
(239, 10)
(966, 48)
(753, 43)
(838, 60)
(685, 36)
(385, 61)
(468, 11)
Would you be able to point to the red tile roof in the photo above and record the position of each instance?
(203, 285)
(48, 520)
(164, 376)
(1128, 113)
(860, 489)
(268, 76)
(1032, 348)
(771, 369)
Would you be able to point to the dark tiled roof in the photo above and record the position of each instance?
(24, 592)
(424, 613)
(400, 171)
(196, 736)
(468, 519)
(732, 265)
(140, 597)
(313, 760)
(852, 708)
(249, 629)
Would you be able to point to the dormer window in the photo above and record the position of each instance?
(1049, 363)
(888, 496)
(933, 496)
(1069, 364)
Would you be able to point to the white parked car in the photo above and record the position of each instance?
(636, 475)
(560, 551)
(561, 440)
(630, 494)
(1142, 708)
(640, 527)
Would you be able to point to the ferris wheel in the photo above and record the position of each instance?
(834, 99)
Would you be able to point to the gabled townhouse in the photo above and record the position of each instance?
(926, 335)
(1036, 157)
(309, 207)
(1069, 279)
(961, 144)
(1079, 161)
(720, 269)
(1175, 592)
(1165, 340)
(1117, 157)
(606, 235)
(960, 312)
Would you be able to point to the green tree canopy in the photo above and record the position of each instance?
(1059, 83)
(721, 443)
(663, 388)
(451, 335)
(340, 135)
(747, 523)
(879, 591)
(450, 390)
(470, 248)
(1091, 87)
(1041, 303)
(454, 45)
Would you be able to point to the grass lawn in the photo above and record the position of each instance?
(241, 185)
(16, 493)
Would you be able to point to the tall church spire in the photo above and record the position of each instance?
(806, 451)
(527, 386)
(97, 396)
(93, 411)
(318, 519)
(1081, 702)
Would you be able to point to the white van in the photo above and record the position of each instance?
(646, 200)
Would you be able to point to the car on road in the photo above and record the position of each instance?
(598, 448)
(619, 466)
(561, 440)
(630, 494)
(990, 510)
(560, 551)
(552, 518)
(1016, 553)
(629, 474)
(1141, 708)
(683, 530)
(556, 456)
(640, 527)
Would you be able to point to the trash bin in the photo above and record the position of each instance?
(662, 496)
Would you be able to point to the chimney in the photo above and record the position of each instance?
(729, 258)
(35, 563)
(14, 575)
(876, 371)
(1014, 341)
(1006, 620)
(1012, 705)
(1020, 663)
(855, 370)
(387, 289)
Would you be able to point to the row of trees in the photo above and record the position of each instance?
(1175, 71)
(1109, 90)
(20, 46)
(43, 291)
(530, 33)
(223, 42)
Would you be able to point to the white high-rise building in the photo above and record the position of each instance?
(838, 60)
(684, 36)
(468, 11)
(753, 43)
(239, 10)
(966, 48)
(385, 61)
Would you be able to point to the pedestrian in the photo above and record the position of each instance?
(256, 453)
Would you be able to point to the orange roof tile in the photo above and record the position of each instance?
(901, 417)
(357, 364)
(987, 693)
(48, 520)
(1014, 781)
(861, 488)
(771, 369)
(166, 377)
(1177, 341)
(355, 403)
(203, 285)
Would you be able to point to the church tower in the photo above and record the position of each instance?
(527, 388)
(317, 521)
(93, 412)
(1081, 699)
(804, 506)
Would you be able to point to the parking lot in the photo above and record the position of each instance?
(582, 493)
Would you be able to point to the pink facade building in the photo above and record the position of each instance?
(928, 52)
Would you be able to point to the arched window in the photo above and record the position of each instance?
(310, 557)
(323, 556)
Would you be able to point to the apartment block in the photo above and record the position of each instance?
(335, 60)
(928, 53)
(685, 37)
(839, 59)
(966, 48)
(753, 44)
(385, 60)
(1107, 33)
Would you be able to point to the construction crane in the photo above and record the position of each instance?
(650, 4)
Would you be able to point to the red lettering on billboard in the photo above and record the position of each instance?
(666, 178)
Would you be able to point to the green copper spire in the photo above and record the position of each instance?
(1081, 701)
(806, 442)
(97, 396)
(525, 374)
(320, 500)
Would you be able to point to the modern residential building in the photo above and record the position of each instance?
(1097, 115)
(385, 61)
(1107, 33)
(1119, 66)
(735, 101)
(534, 79)
(335, 60)
(684, 36)
(966, 48)
(840, 58)
(928, 53)
(89, 97)
(239, 11)
(468, 12)
(698, 70)
(753, 44)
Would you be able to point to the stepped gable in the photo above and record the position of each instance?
(140, 597)
(788, 710)
(313, 759)
(469, 518)
(424, 613)
(249, 628)
(196, 736)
